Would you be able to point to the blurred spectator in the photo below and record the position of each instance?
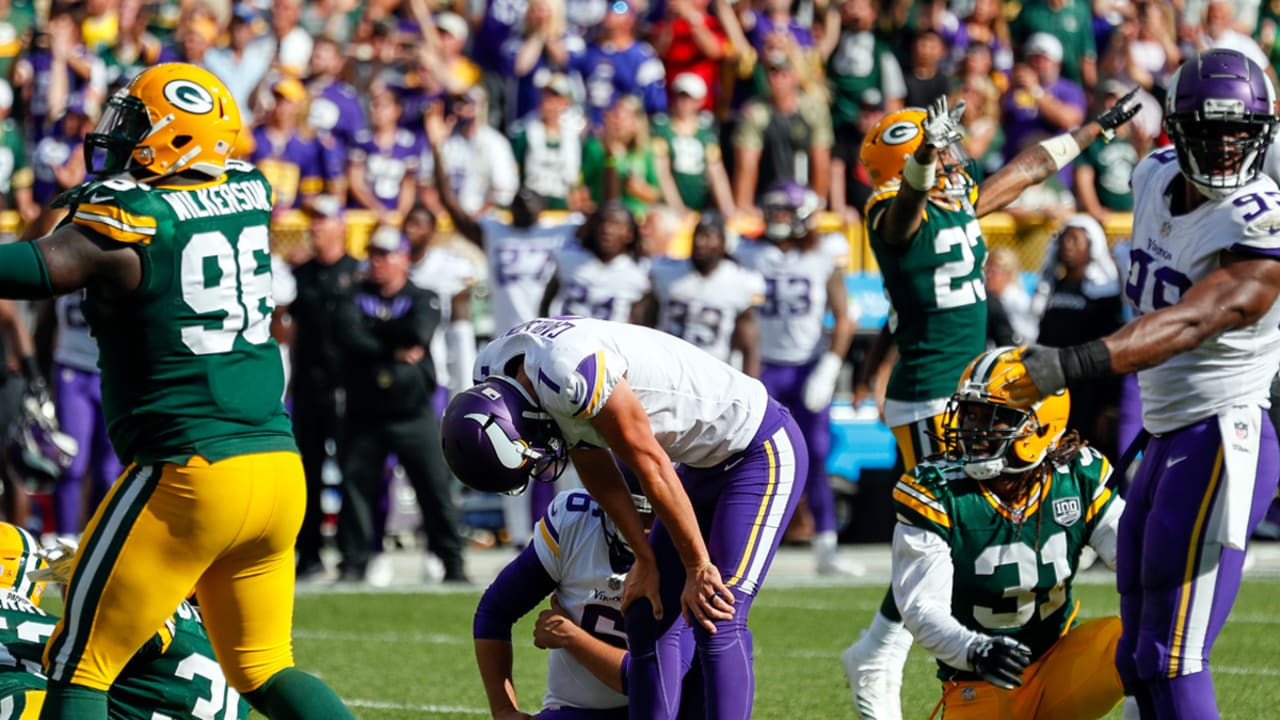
(77, 392)
(659, 226)
(1144, 48)
(1070, 21)
(383, 162)
(319, 397)
(925, 79)
(1218, 31)
(1078, 300)
(547, 148)
(135, 49)
(850, 182)
(775, 17)
(58, 69)
(692, 41)
(449, 63)
(384, 329)
(618, 64)
(787, 137)
(244, 61)
(540, 50)
(292, 41)
(985, 27)
(16, 177)
(494, 33)
(58, 160)
(617, 160)
(335, 113)
(1041, 103)
(196, 36)
(450, 275)
(17, 24)
(984, 137)
(477, 158)
(1103, 169)
(290, 160)
(378, 55)
(328, 19)
(1010, 320)
(605, 275)
(686, 151)
(100, 27)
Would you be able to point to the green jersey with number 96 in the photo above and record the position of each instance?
(1012, 571)
(937, 296)
(188, 363)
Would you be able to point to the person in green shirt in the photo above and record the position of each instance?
(618, 160)
(548, 153)
(686, 148)
(1071, 21)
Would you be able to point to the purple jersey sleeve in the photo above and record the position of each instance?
(521, 585)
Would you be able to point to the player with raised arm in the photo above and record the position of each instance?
(988, 540)
(592, 390)
(1204, 277)
(709, 299)
(803, 274)
(923, 224)
(172, 245)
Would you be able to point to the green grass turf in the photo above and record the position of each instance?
(409, 656)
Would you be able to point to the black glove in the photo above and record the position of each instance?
(1000, 660)
(1119, 114)
(1044, 368)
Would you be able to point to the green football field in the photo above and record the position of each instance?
(409, 655)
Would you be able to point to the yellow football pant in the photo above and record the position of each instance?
(226, 529)
(918, 440)
(1075, 680)
(24, 705)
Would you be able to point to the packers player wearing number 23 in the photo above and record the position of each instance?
(922, 221)
(170, 242)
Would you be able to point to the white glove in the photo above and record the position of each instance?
(942, 127)
(821, 384)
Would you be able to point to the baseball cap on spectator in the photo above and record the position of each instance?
(388, 239)
(776, 60)
(244, 13)
(453, 24)
(289, 89)
(871, 99)
(325, 206)
(689, 84)
(558, 83)
(1044, 44)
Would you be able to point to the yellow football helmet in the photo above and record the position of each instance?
(897, 135)
(172, 118)
(20, 556)
(989, 435)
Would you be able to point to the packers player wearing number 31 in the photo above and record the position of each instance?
(171, 245)
(923, 224)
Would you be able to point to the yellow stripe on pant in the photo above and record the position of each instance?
(918, 440)
(226, 529)
(1075, 680)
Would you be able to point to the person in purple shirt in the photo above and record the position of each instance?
(619, 64)
(290, 160)
(62, 52)
(501, 18)
(776, 17)
(1041, 103)
(58, 160)
(383, 162)
(542, 48)
(335, 113)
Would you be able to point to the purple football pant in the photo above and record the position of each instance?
(582, 714)
(1129, 413)
(785, 384)
(743, 505)
(78, 399)
(1177, 582)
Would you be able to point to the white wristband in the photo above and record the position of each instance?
(1063, 149)
(919, 177)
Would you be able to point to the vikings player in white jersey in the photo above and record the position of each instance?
(602, 389)
(450, 275)
(709, 300)
(1204, 276)
(577, 558)
(804, 279)
(77, 393)
(606, 275)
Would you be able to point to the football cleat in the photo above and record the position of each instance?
(874, 680)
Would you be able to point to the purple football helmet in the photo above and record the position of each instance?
(496, 438)
(787, 207)
(36, 449)
(1220, 115)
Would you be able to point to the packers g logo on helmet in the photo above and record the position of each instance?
(1010, 440)
(172, 118)
(20, 557)
(897, 135)
(900, 132)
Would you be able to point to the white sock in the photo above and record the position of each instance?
(825, 543)
(889, 636)
(1131, 708)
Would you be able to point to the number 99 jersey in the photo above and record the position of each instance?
(1012, 574)
(1170, 254)
(571, 544)
(188, 362)
(937, 296)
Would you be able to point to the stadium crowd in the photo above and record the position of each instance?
(635, 115)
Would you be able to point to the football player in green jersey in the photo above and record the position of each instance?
(922, 221)
(171, 244)
(988, 540)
